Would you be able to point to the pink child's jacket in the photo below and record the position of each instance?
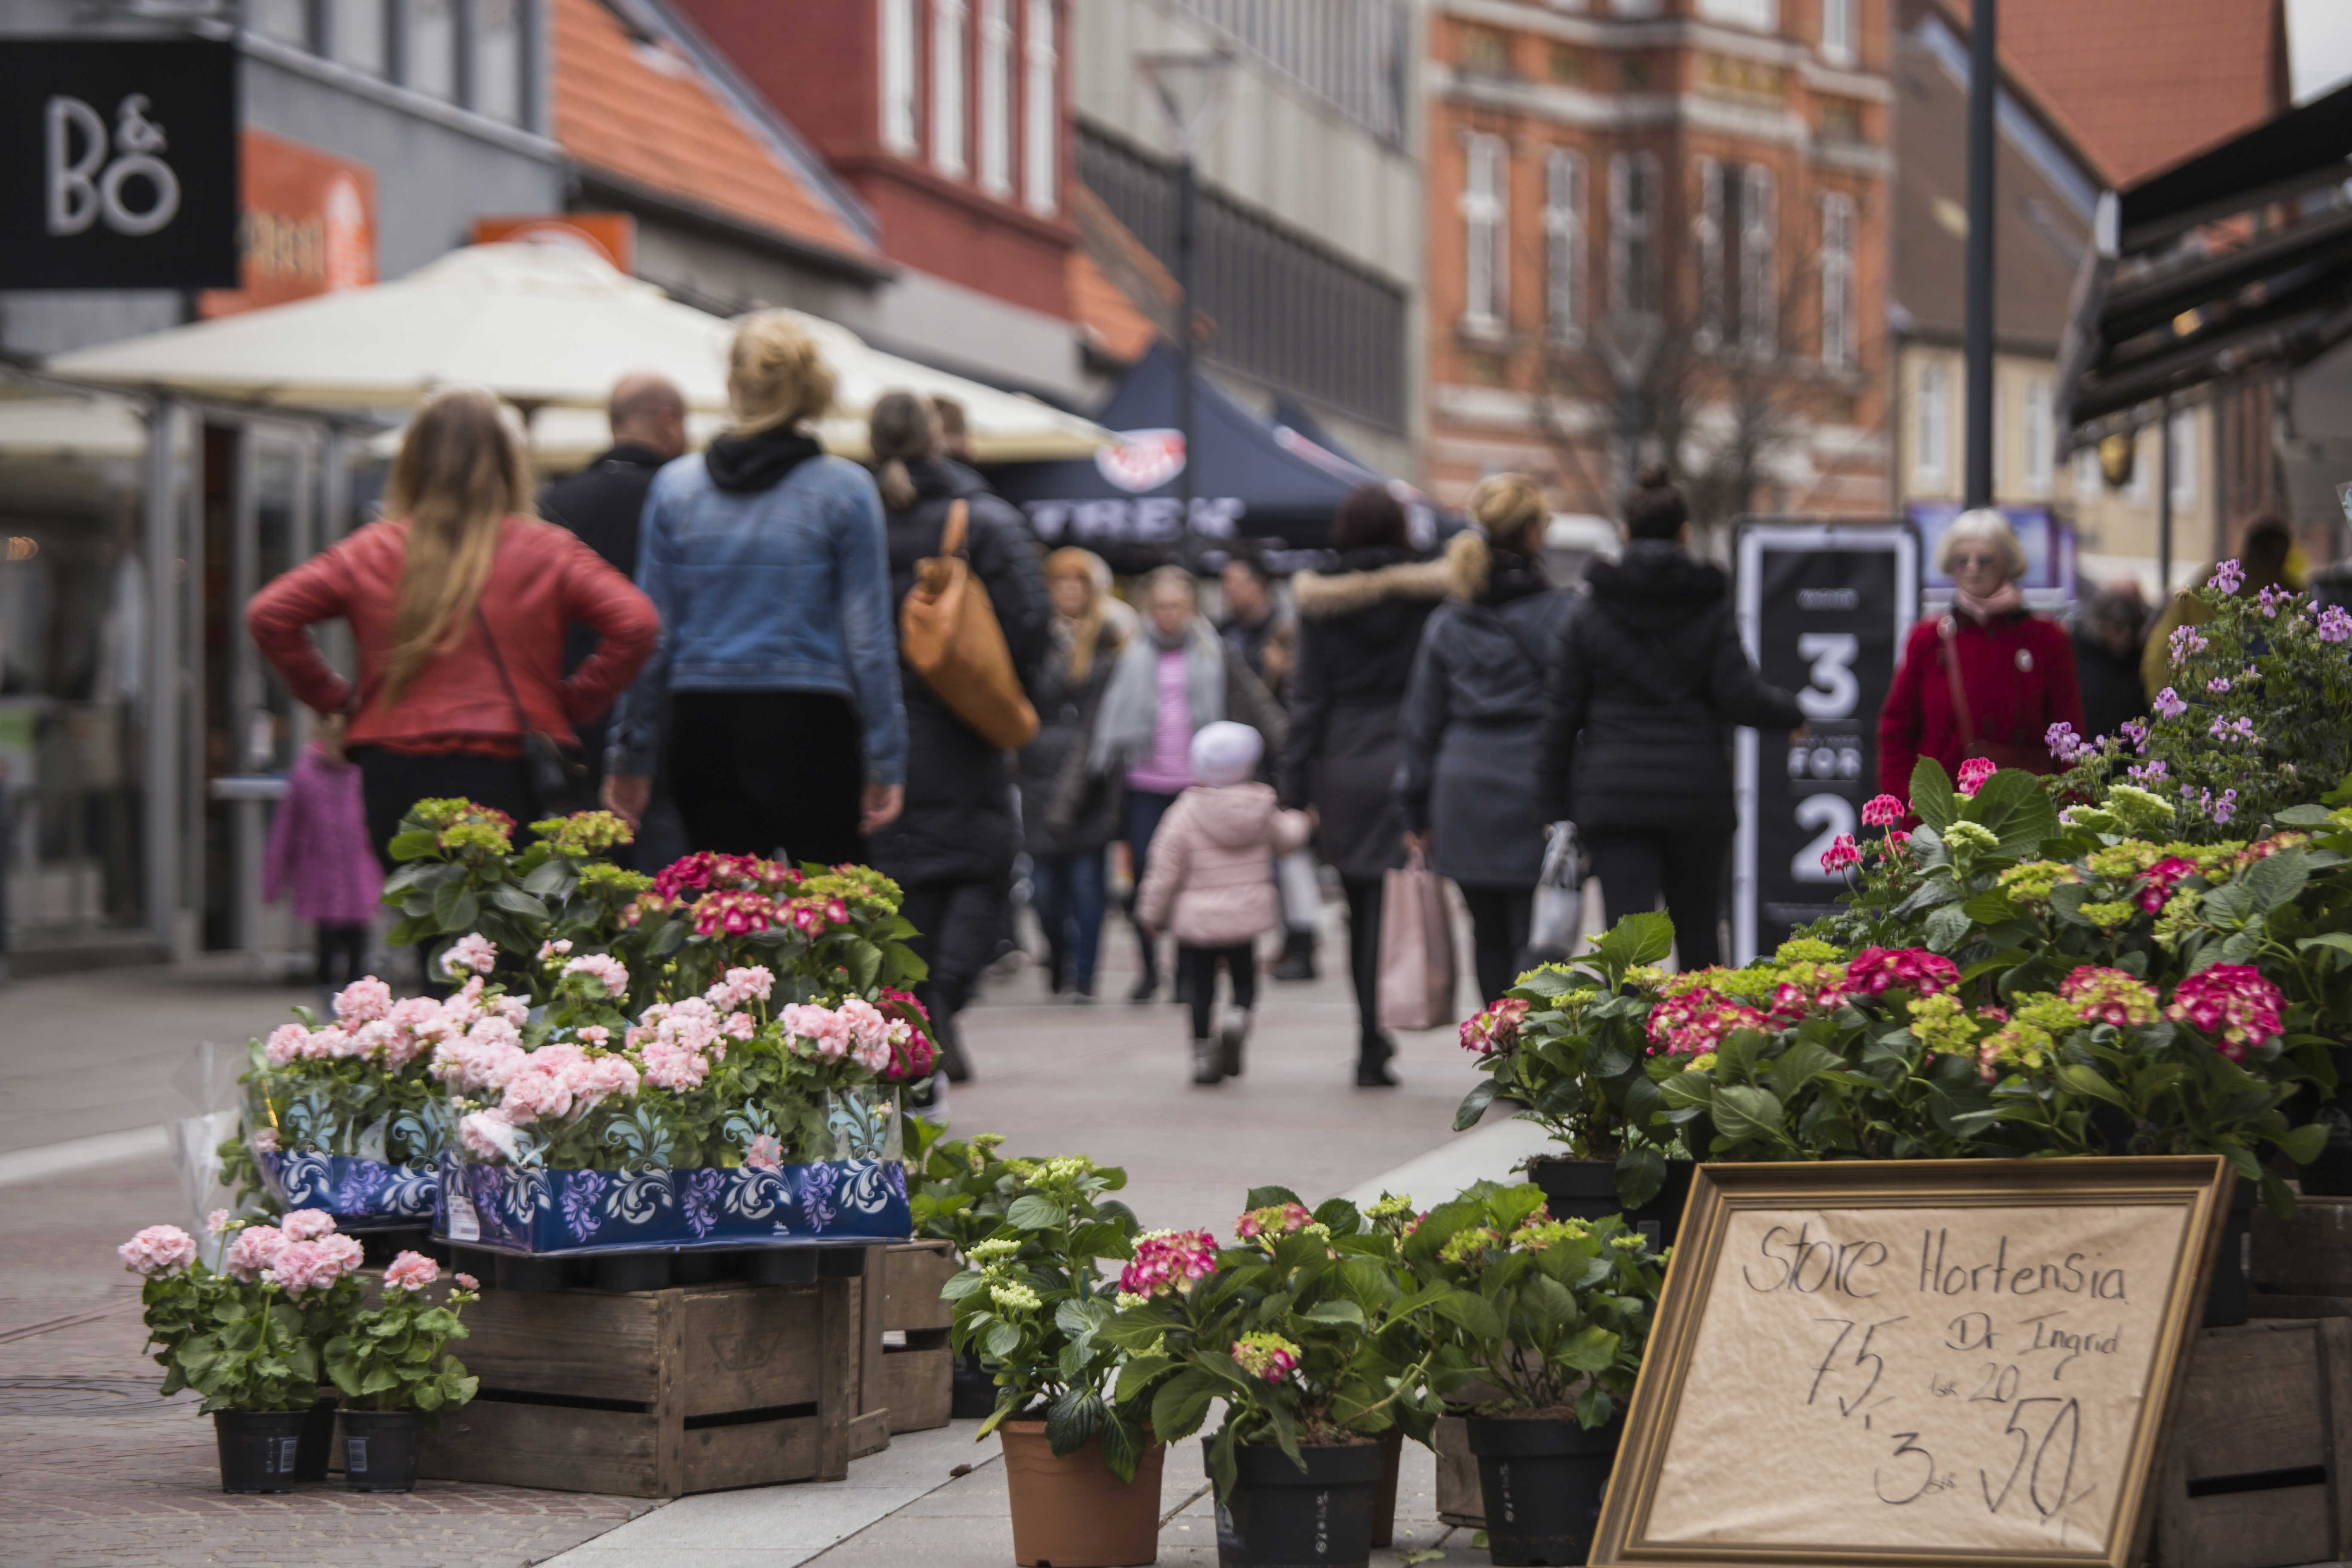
(319, 847)
(1209, 860)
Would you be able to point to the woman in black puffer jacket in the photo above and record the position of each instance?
(951, 849)
(1068, 818)
(1359, 628)
(1651, 677)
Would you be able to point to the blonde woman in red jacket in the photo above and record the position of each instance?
(458, 601)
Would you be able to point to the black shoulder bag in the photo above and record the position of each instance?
(557, 778)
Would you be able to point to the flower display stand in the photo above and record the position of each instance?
(2256, 1475)
(907, 1368)
(657, 1393)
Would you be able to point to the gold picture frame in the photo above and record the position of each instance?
(2072, 1383)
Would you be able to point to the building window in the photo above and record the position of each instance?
(429, 65)
(2184, 460)
(1837, 281)
(499, 59)
(1040, 132)
(1485, 231)
(899, 76)
(1633, 232)
(949, 23)
(1566, 66)
(1837, 31)
(1563, 219)
(361, 34)
(2034, 469)
(1759, 278)
(995, 98)
(1762, 14)
(1931, 459)
(1486, 52)
(1734, 244)
(1706, 249)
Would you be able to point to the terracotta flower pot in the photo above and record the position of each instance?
(1070, 1511)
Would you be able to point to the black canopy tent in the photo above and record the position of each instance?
(1249, 483)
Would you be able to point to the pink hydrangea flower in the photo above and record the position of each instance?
(473, 951)
(255, 1247)
(1495, 1030)
(2232, 1004)
(1842, 855)
(1698, 1021)
(603, 969)
(1883, 811)
(2155, 883)
(1271, 1223)
(308, 1225)
(1166, 1259)
(2109, 997)
(1976, 770)
(1878, 970)
(1268, 1356)
(411, 1271)
(362, 1001)
(158, 1251)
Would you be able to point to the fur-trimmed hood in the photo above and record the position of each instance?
(1324, 596)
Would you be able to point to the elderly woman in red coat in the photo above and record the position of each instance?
(1985, 679)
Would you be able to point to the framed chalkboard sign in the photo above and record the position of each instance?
(1933, 1363)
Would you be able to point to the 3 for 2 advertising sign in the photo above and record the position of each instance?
(118, 163)
(1824, 611)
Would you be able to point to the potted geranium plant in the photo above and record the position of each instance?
(1302, 1329)
(1544, 1322)
(244, 1335)
(390, 1365)
(1081, 1464)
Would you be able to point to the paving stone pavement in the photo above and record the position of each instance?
(95, 1470)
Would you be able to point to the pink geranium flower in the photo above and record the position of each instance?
(1976, 770)
(308, 1225)
(1883, 811)
(362, 1001)
(1842, 855)
(411, 1271)
(473, 951)
(158, 1251)
(256, 1247)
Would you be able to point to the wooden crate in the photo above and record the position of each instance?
(655, 1393)
(2255, 1474)
(907, 1382)
(2309, 1253)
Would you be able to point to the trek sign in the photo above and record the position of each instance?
(118, 163)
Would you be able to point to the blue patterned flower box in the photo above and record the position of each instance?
(535, 1210)
(362, 1194)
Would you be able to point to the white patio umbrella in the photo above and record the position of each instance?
(543, 327)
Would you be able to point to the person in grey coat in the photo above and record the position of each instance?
(1466, 781)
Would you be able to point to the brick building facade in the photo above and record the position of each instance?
(1668, 216)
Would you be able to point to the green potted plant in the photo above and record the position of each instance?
(390, 1365)
(1304, 1332)
(1080, 1463)
(244, 1335)
(957, 1192)
(1543, 1322)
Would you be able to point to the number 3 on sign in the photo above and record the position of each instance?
(1830, 690)
(1832, 814)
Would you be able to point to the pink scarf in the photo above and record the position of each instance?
(2005, 600)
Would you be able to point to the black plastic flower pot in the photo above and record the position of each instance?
(259, 1450)
(972, 1392)
(380, 1449)
(1587, 1189)
(782, 1266)
(1541, 1479)
(627, 1272)
(317, 1441)
(1280, 1516)
(2226, 1300)
(517, 1273)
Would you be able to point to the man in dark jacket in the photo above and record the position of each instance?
(603, 501)
(1649, 677)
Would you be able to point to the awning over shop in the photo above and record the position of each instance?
(544, 328)
(1125, 503)
(2238, 258)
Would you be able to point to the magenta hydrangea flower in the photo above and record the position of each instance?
(1272, 1223)
(2231, 1005)
(2109, 997)
(1976, 770)
(1268, 1356)
(1698, 1020)
(1875, 971)
(1842, 855)
(1167, 1260)
(2155, 883)
(1495, 1031)
(1883, 811)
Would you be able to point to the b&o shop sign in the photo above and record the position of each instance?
(118, 163)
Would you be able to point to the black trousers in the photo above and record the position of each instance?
(343, 954)
(1499, 918)
(1636, 869)
(1198, 965)
(769, 772)
(391, 782)
(1364, 959)
(956, 925)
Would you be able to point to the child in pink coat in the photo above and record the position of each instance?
(319, 853)
(1210, 882)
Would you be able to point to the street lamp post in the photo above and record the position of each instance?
(1191, 91)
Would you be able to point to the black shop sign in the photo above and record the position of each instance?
(118, 163)
(1824, 611)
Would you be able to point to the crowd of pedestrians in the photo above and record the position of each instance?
(1396, 708)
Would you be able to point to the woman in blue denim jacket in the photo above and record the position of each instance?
(778, 657)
